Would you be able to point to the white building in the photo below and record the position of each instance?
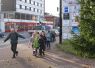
(70, 11)
(22, 13)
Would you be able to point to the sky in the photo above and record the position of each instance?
(51, 7)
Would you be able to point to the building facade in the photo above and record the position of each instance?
(22, 13)
(71, 11)
(52, 18)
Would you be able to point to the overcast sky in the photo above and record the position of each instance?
(51, 6)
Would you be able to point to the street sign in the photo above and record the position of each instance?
(75, 29)
(66, 9)
(66, 16)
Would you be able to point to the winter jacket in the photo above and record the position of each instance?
(42, 42)
(13, 36)
(48, 36)
(35, 42)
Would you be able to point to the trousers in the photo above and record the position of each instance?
(13, 48)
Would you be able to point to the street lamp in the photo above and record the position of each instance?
(60, 21)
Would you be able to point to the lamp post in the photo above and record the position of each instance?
(60, 21)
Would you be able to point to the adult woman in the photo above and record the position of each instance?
(42, 42)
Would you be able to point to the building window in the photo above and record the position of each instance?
(34, 3)
(37, 10)
(25, 1)
(37, 4)
(30, 8)
(11, 15)
(25, 7)
(33, 9)
(28, 17)
(30, 1)
(17, 15)
(20, 6)
(41, 11)
(5, 15)
(40, 5)
(22, 16)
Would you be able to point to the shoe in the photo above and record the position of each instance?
(17, 53)
(13, 56)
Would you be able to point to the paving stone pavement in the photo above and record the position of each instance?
(53, 59)
(23, 60)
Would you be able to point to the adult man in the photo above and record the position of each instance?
(13, 36)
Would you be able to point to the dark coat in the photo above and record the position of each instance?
(13, 36)
(42, 42)
(45, 39)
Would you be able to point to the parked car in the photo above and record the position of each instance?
(56, 31)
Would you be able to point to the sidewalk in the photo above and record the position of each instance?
(65, 60)
(23, 60)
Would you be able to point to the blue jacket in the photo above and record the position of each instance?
(48, 36)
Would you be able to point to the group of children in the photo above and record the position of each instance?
(40, 41)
